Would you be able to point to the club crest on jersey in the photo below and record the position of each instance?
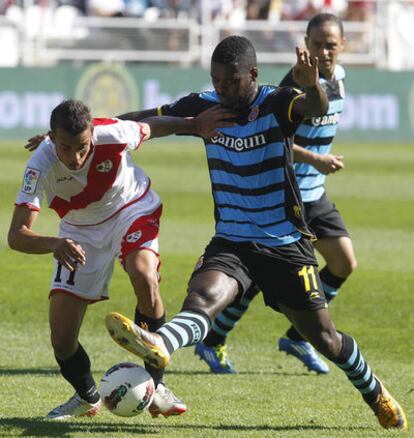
(297, 211)
(105, 166)
(134, 237)
(253, 114)
(30, 180)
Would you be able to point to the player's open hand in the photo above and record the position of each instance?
(208, 122)
(305, 71)
(69, 253)
(33, 142)
(329, 163)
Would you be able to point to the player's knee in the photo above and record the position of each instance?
(352, 265)
(64, 345)
(144, 282)
(343, 268)
(199, 299)
(209, 300)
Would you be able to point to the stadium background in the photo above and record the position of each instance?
(139, 54)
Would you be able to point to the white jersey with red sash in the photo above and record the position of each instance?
(107, 182)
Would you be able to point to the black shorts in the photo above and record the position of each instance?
(286, 275)
(324, 219)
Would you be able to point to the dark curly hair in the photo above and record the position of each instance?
(71, 115)
(236, 51)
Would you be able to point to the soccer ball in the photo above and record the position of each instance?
(126, 389)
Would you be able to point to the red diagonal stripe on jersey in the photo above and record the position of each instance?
(103, 121)
(98, 183)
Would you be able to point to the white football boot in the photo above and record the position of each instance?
(166, 403)
(74, 407)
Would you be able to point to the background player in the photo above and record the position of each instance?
(107, 210)
(313, 140)
(260, 229)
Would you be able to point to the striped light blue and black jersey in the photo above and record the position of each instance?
(255, 193)
(317, 134)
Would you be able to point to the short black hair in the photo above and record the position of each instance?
(236, 51)
(320, 19)
(71, 115)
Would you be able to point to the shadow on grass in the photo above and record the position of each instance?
(239, 373)
(44, 428)
(33, 371)
(56, 372)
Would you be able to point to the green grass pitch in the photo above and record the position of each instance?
(272, 395)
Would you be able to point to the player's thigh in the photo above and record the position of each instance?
(210, 291)
(219, 276)
(338, 253)
(66, 313)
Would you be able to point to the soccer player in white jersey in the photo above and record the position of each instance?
(107, 210)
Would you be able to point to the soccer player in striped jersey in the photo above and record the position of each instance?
(261, 236)
(313, 140)
(108, 210)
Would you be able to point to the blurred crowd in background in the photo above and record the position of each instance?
(223, 10)
(43, 32)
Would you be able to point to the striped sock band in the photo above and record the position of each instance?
(357, 369)
(330, 292)
(229, 317)
(185, 329)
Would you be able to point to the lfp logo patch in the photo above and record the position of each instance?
(30, 180)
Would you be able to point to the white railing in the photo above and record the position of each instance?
(47, 36)
(275, 42)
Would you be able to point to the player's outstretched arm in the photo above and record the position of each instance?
(325, 164)
(306, 74)
(205, 125)
(34, 142)
(137, 116)
(22, 238)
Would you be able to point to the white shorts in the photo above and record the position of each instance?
(134, 227)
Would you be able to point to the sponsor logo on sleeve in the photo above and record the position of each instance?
(30, 180)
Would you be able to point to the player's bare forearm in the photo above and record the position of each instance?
(138, 116)
(167, 125)
(66, 251)
(28, 242)
(302, 155)
(204, 125)
(316, 102)
(23, 239)
(325, 164)
(313, 103)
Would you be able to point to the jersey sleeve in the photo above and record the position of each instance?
(188, 106)
(31, 192)
(116, 131)
(282, 100)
